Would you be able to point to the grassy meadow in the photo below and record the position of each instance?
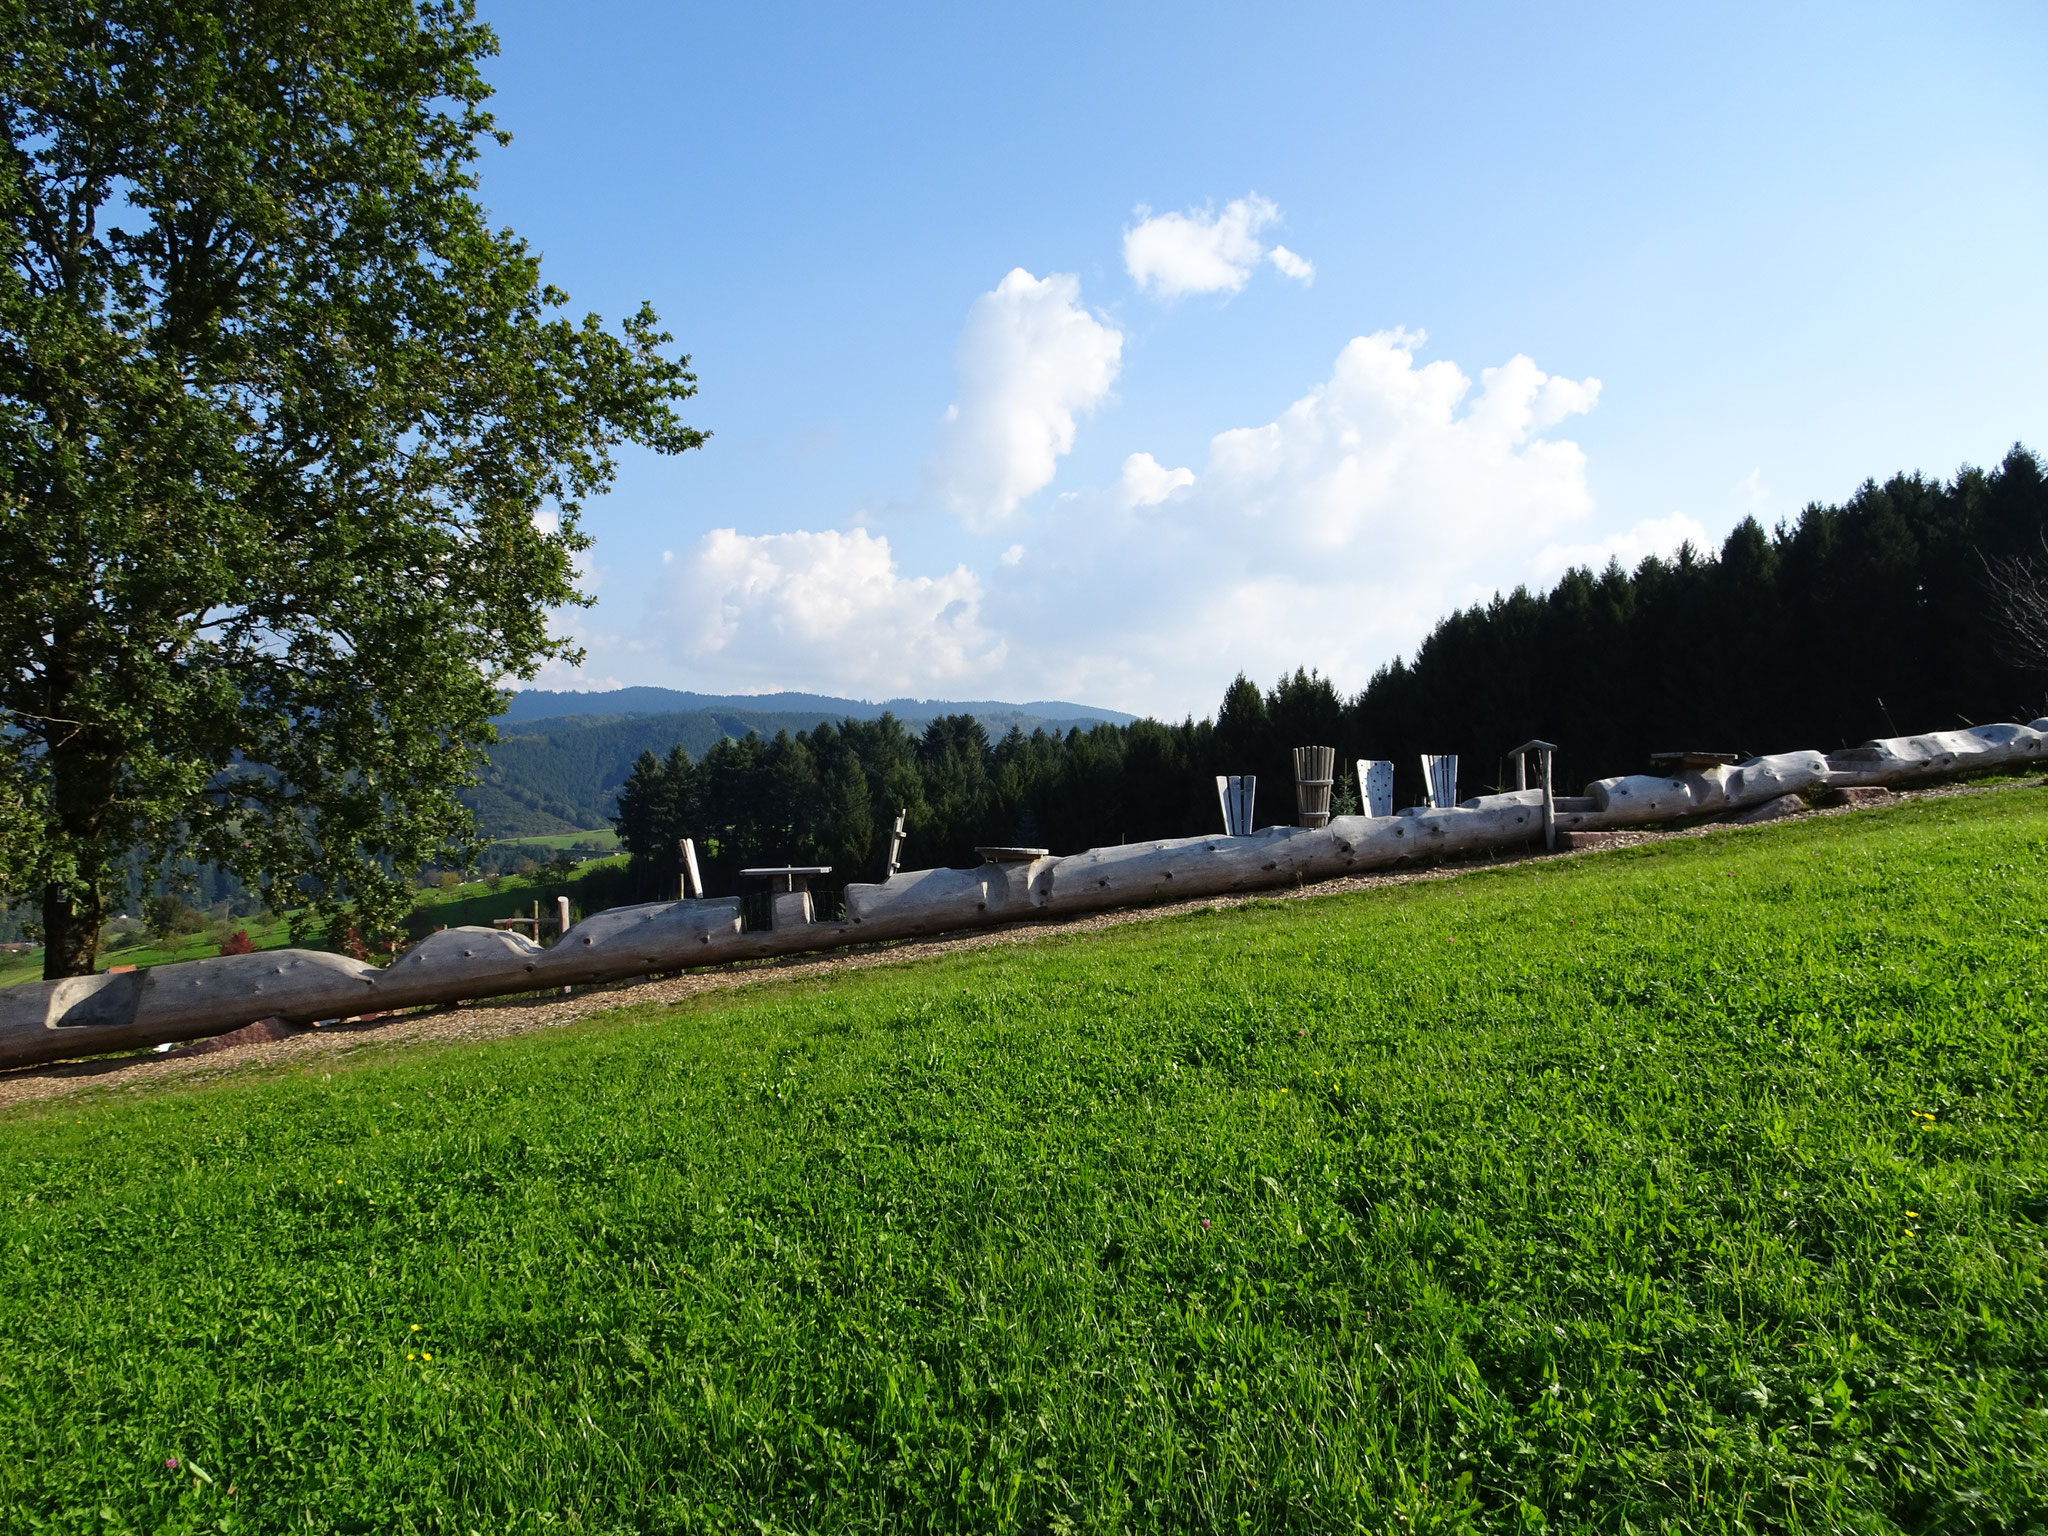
(1698, 1187)
(266, 932)
(605, 838)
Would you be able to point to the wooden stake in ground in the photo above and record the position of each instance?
(1543, 751)
(896, 845)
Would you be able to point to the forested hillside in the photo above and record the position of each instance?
(560, 773)
(1866, 619)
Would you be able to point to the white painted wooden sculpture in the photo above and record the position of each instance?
(1238, 792)
(1440, 780)
(89, 1015)
(1376, 786)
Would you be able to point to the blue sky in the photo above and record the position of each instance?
(1553, 283)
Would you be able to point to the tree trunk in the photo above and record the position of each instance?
(84, 777)
(72, 918)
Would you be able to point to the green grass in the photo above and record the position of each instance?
(1697, 1187)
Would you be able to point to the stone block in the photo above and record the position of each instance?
(1854, 794)
(792, 909)
(1770, 810)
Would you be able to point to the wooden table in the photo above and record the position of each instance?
(1012, 855)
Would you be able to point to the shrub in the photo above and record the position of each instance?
(168, 917)
(238, 943)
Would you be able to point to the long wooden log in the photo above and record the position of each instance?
(92, 1015)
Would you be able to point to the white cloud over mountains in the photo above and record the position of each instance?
(1334, 536)
(1202, 251)
(1031, 361)
(761, 610)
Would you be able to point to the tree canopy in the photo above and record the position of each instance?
(292, 445)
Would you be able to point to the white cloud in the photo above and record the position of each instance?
(1659, 536)
(563, 678)
(1333, 536)
(1382, 457)
(1031, 360)
(1755, 494)
(1300, 268)
(1201, 251)
(804, 609)
(1146, 482)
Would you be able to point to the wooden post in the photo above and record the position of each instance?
(896, 844)
(562, 910)
(692, 881)
(1543, 750)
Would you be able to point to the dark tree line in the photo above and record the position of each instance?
(1874, 618)
(831, 795)
(1878, 617)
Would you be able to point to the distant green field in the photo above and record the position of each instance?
(1696, 1187)
(265, 934)
(607, 838)
(477, 902)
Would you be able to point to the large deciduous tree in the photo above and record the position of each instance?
(292, 443)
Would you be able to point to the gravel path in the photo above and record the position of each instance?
(499, 1018)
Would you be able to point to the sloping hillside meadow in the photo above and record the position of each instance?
(1696, 1187)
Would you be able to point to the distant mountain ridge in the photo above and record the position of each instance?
(548, 704)
(561, 757)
